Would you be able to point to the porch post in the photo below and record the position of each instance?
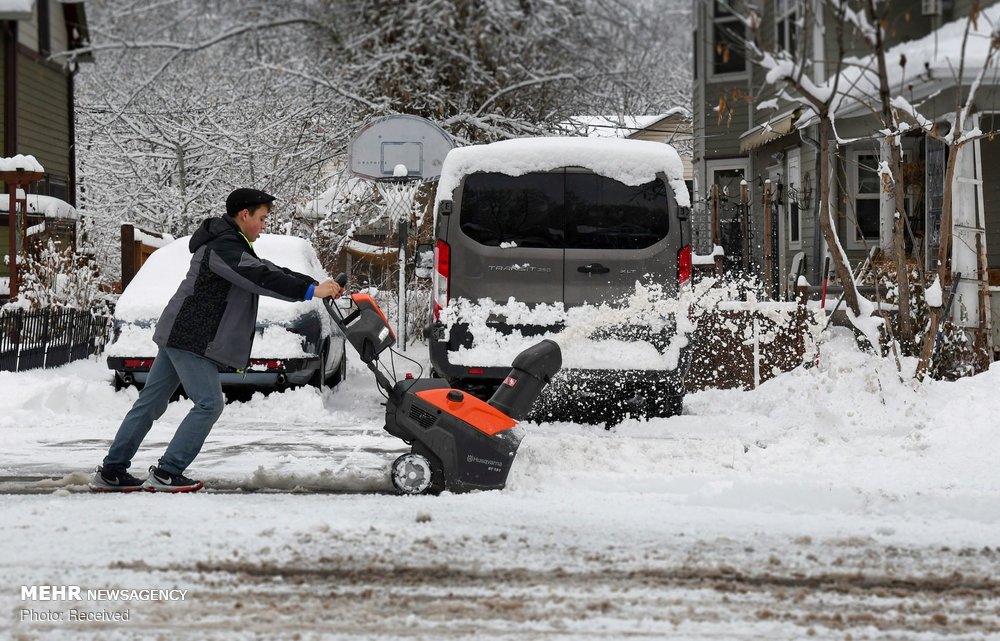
(886, 202)
(965, 228)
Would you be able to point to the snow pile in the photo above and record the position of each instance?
(632, 162)
(152, 241)
(847, 442)
(850, 436)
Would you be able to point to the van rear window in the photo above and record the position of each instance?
(563, 210)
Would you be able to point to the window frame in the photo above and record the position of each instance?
(793, 178)
(854, 240)
(721, 20)
(726, 164)
(786, 14)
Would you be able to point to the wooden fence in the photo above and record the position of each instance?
(49, 337)
(741, 345)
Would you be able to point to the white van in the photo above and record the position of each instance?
(526, 230)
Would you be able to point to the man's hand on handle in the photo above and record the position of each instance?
(328, 289)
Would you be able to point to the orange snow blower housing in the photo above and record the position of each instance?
(458, 442)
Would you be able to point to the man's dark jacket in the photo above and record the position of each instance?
(214, 312)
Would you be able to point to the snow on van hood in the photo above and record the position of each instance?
(633, 162)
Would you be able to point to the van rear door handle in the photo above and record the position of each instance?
(593, 268)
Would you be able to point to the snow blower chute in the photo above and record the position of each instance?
(458, 442)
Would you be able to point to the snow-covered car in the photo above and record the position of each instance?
(296, 343)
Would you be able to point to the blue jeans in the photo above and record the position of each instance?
(200, 378)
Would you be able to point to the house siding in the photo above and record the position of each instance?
(43, 115)
(27, 32)
(3, 97)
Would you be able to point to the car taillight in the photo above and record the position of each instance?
(266, 364)
(684, 265)
(138, 363)
(442, 271)
(477, 371)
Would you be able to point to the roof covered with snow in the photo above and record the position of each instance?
(633, 162)
(915, 68)
(16, 9)
(619, 126)
(48, 206)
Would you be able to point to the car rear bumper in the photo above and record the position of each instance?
(270, 372)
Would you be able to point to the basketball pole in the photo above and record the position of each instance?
(404, 229)
(400, 194)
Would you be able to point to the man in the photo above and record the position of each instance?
(208, 323)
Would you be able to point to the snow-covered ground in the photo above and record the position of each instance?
(835, 502)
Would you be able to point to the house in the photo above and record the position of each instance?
(37, 94)
(672, 127)
(744, 129)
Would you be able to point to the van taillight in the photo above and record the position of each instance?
(442, 271)
(684, 265)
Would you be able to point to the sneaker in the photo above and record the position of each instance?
(161, 481)
(114, 479)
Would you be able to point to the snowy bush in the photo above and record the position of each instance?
(54, 277)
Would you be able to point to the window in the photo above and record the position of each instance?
(563, 210)
(57, 187)
(729, 35)
(525, 210)
(44, 37)
(727, 174)
(786, 17)
(694, 58)
(606, 214)
(794, 196)
(865, 197)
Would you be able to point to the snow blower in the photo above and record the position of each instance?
(457, 442)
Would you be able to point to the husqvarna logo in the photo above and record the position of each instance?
(482, 461)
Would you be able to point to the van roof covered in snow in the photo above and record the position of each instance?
(633, 162)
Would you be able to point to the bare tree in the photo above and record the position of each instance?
(192, 97)
(958, 135)
(789, 72)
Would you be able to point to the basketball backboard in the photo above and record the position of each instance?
(387, 142)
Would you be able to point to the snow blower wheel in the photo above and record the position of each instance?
(411, 474)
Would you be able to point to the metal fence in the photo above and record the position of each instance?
(49, 337)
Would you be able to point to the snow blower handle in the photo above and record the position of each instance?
(331, 306)
(366, 327)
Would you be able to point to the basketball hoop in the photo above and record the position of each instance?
(399, 193)
(399, 153)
